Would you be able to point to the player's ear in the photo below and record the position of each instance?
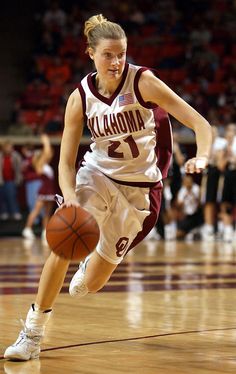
(91, 53)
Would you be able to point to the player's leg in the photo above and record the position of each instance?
(47, 209)
(27, 345)
(120, 212)
(51, 281)
(91, 276)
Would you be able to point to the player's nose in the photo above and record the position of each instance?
(115, 61)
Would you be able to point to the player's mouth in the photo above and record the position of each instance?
(113, 71)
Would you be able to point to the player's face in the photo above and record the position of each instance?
(109, 58)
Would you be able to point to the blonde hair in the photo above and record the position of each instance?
(98, 27)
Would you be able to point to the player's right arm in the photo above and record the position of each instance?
(73, 128)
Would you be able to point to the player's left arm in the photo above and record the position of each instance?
(154, 90)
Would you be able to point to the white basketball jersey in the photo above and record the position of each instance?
(124, 130)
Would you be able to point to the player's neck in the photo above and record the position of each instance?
(106, 88)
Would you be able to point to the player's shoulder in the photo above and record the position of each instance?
(141, 70)
(147, 76)
(74, 96)
(75, 103)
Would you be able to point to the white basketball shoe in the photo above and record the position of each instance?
(77, 286)
(27, 345)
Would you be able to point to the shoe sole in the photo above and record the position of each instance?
(16, 357)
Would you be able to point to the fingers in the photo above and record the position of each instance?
(65, 204)
(70, 202)
(195, 165)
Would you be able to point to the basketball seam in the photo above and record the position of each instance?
(74, 231)
(78, 237)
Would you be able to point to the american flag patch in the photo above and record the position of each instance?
(126, 99)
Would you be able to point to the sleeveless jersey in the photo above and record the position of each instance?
(131, 139)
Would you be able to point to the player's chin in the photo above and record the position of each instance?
(114, 76)
(115, 73)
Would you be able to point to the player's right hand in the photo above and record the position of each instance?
(195, 165)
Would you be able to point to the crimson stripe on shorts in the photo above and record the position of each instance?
(155, 196)
(164, 140)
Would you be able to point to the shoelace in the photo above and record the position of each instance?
(28, 332)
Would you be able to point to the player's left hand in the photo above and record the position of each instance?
(196, 165)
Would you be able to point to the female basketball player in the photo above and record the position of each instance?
(119, 181)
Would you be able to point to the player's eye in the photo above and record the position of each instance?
(121, 55)
(107, 55)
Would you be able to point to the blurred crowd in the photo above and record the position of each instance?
(193, 206)
(204, 209)
(192, 44)
(30, 170)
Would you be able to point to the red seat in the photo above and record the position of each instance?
(31, 117)
(215, 88)
(178, 75)
(218, 48)
(191, 87)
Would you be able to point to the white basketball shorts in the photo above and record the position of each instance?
(125, 214)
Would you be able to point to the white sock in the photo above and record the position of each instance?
(37, 319)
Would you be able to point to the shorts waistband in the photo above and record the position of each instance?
(135, 184)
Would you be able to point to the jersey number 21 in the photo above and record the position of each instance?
(114, 145)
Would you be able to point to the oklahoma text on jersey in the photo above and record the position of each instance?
(132, 139)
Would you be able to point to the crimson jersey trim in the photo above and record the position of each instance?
(107, 100)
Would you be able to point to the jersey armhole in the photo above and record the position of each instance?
(145, 104)
(83, 98)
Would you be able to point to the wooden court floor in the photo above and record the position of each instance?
(169, 308)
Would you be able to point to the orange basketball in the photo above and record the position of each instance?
(72, 233)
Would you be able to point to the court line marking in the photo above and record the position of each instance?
(137, 338)
(133, 339)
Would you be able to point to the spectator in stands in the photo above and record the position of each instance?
(176, 168)
(188, 201)
(212, 186)
(200, 35)
(58, 72)
(10, 179)
(207, 44)
(45, 198)
(32, 179)
(172, 186)
(55, 17)
(54, 120)
(48, 44)
(229, 189)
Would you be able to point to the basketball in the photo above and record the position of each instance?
(72, 233)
